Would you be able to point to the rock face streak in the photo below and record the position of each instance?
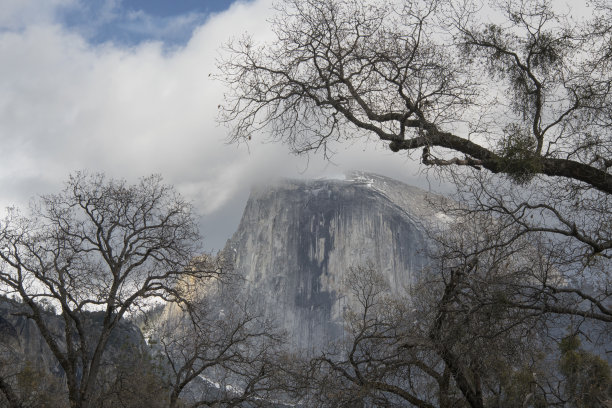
(297, 239)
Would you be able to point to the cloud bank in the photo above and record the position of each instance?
(69, 103)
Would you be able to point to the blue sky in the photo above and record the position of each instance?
(175, 7)
(130, 22)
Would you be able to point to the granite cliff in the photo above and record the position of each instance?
(23, 348)
(297, 239)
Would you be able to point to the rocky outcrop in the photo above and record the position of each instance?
(21, 337)
(21, 341)
(297, 239)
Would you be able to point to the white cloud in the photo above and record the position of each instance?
(66, 105)
(17, 14)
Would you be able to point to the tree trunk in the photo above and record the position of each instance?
(174, 397)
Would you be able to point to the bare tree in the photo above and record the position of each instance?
(218, 350)
(445, 343)
(373, 365)
(99, 245)
(529, 95)
(513, 108)
(526, 98)
(500, 305)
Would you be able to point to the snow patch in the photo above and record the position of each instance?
(444, 217)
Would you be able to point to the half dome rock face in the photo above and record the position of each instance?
(297, 239)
